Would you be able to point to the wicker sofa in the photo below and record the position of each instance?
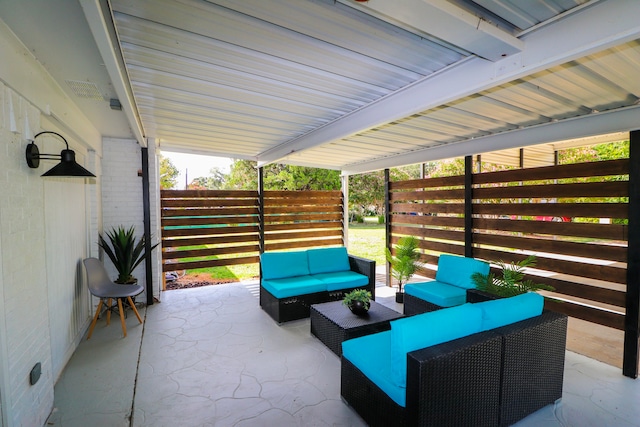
(493, 377)
(290, 282)
(453, 279)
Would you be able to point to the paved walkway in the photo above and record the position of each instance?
(211, 357)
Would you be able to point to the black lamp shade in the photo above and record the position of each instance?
(68, 166)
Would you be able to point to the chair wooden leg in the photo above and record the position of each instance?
(95, 319)
(135, 310)
(124, 326)
(109, 311)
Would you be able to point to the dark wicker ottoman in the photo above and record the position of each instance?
(332, 323)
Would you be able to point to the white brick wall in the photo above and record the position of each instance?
(23, 307)
(122, 202)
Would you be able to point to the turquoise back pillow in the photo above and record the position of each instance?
(504, 311)
(328, 260)
(278, 265)
(457, 270)
(427, 329)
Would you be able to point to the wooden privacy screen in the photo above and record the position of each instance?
(569, 216)
(302, 219)
(211, 228)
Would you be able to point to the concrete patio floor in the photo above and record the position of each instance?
(210, 356)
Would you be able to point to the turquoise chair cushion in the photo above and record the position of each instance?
(438, 293)
(342, 280)
(428, 329)
(371, 354)
(457, 270)
(504, 311)
(278, 265)
(293, 286)
(328, 260)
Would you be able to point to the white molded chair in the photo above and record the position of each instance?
(102, 287)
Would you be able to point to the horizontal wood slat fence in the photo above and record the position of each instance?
(562, 214)
(212, 228)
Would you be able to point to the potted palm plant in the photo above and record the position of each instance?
(512, 281)
(124, 252)
(405, 262)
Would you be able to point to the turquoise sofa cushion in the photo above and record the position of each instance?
(504, 311)
(428, 329)
(457, 270)
(438, 293)
(293, 286)
(342, 280)
(372, 355)
(328, 260)
(277, 265)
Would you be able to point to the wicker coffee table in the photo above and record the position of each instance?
(332, 323)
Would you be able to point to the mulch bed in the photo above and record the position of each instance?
(196, 281)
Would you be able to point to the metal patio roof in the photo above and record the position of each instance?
(359, 86)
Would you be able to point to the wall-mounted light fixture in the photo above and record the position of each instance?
(67, 165)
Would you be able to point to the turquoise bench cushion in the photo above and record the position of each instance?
(372, 355)
(504, 311)
(328, 260)
(342, 280)
(428, 329)
(293, 286)
(278, 265)
(457, 270)
(438, 293)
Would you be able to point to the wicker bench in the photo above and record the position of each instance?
(297, 305)
(491, 378)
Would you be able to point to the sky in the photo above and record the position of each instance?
(195, 165)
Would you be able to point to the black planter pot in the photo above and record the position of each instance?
(358, 308)
(400, 297)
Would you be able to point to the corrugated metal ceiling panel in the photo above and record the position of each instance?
(241, 78)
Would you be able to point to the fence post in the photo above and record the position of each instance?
(468, 206)
(345, 210)
(632, 316)
(261, 209)
(387, 223)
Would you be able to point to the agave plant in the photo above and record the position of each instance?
(512, 281)
(124, 252)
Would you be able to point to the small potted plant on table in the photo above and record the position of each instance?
(358, 301)
(405, 262)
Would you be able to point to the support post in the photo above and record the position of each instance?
(261, 209)
(146, 203)
(345, 210)
(387, 223)
(632, 316)
(468, 206)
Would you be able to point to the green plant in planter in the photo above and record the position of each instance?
(512, 281)
(361, 295)
(405, 262)
(124, 252)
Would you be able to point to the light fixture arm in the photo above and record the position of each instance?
(67, 157)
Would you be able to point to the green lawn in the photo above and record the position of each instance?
(365, 240)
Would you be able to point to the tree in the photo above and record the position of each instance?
(244, 176)
(215, 180)
(168, 173)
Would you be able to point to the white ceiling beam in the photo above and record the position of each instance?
(445, 21)
(621, 120)
(593, 29)
(100, 22)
